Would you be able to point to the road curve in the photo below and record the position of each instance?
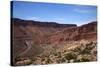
(29, 47)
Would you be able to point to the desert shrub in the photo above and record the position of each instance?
(77, 49)
(55, 54)
(62, 60)
(48, 61)
(18, 58)
(95, 52)
(88, 48)
(70, 56)
(43, 59)
(58, 61)
(59, 55)
(65, 51)
(84, 58)
(84, 49)
(81, 53)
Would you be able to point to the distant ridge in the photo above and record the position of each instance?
(38, 23)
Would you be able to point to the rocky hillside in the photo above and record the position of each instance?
(46, 32)
(33, 38)
(87, 32)
(35, 30)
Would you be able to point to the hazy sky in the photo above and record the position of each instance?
(61, 13)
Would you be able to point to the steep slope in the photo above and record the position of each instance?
(32, 38)
(27, 33)
(35, 30)
(87, 32)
